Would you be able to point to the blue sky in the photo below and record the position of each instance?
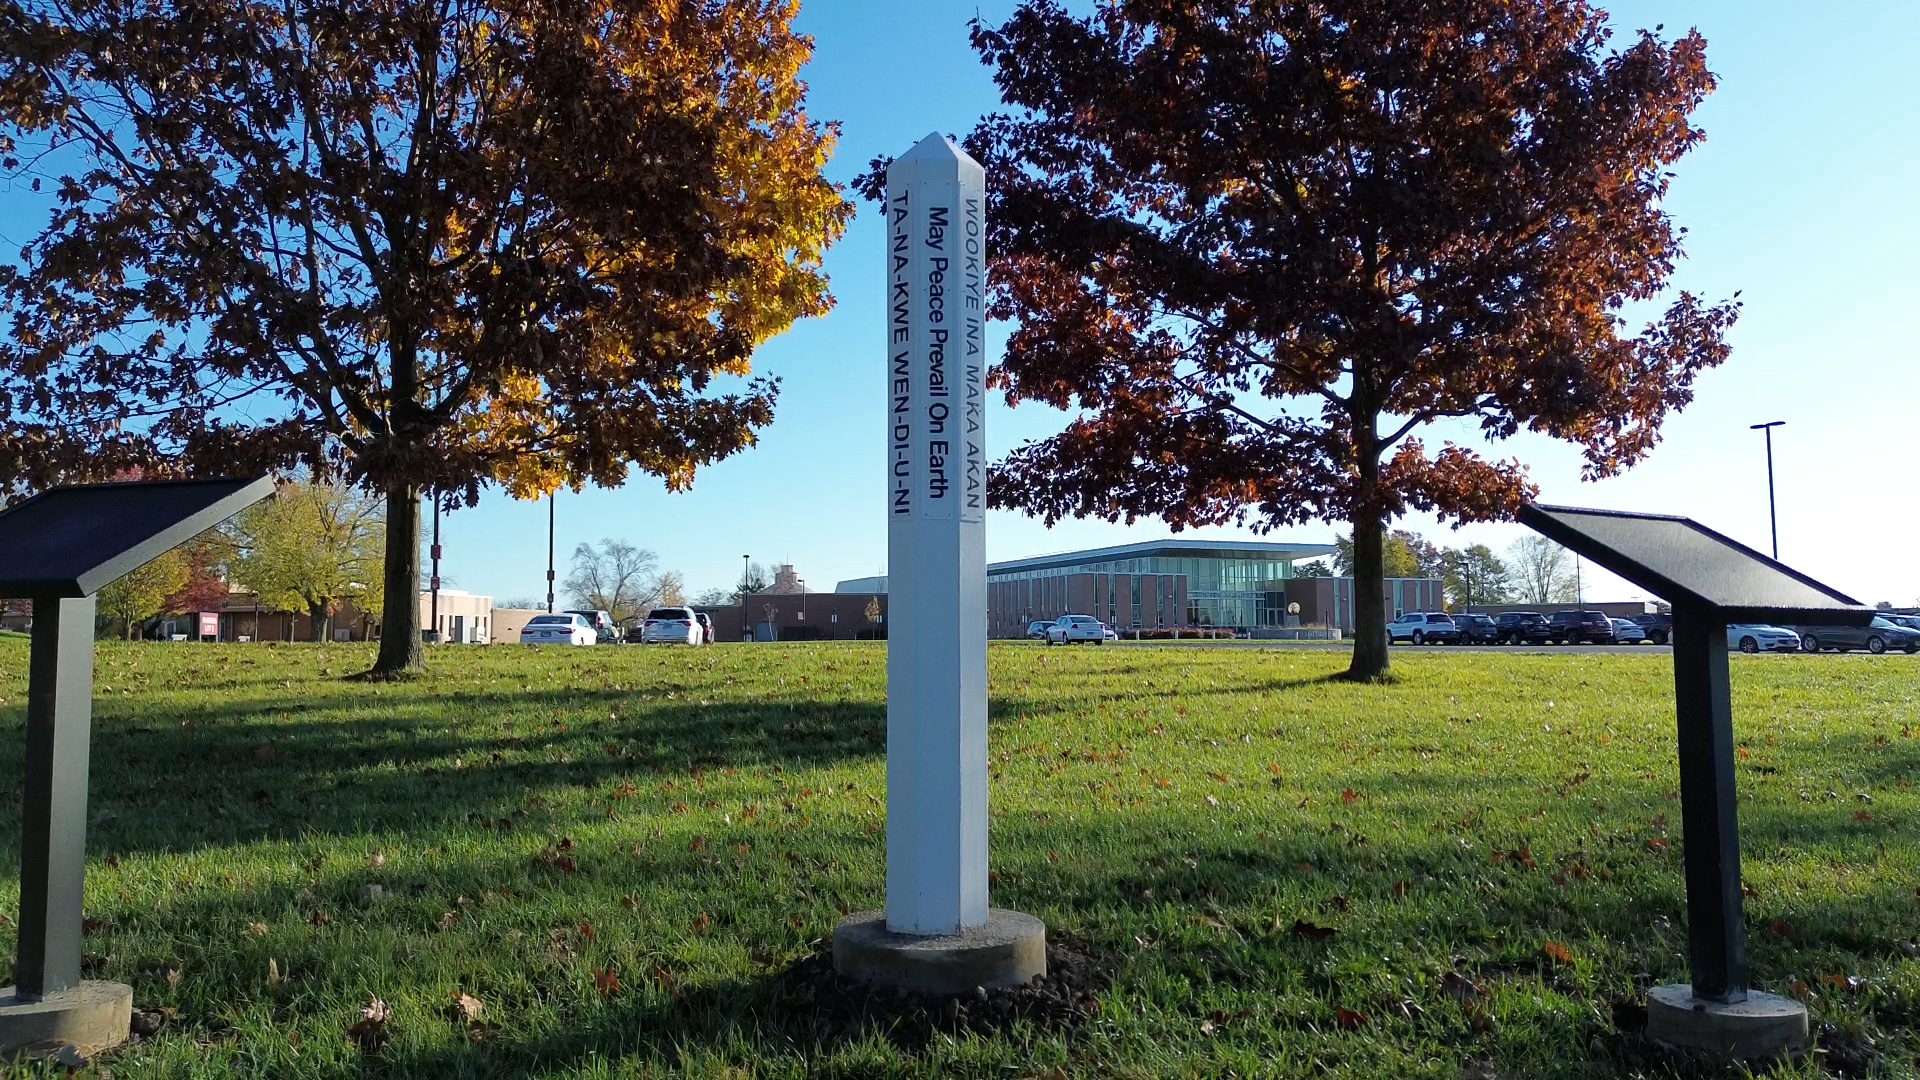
(1802, 198)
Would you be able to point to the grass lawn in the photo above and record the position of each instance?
(1494, 841)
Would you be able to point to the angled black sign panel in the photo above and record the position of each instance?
(71, 541)
(1687, 564)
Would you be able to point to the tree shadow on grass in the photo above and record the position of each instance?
(272, 769)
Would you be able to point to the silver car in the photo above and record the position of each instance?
(1757, 637)
(1083, 629)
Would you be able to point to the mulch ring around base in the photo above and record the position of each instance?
(810, 990)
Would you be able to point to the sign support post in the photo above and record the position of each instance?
(937, 933)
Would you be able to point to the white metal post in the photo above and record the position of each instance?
(936, 542)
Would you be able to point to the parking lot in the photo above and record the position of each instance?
(1555, 650)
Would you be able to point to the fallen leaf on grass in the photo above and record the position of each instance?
(1207, 1028)
(256, 929)
(607, 982)
(1658, 843)
(1401, 889)
(1311, 931)
(1862, 816)
(553, 860)
(1851, 984)
(1348, 1019)
(273, 972)
(1557, 952)
(1749, 891)
(466, 1007)
(370, 1034)
(701, 922)
(448, 919)
(1779, 928)
(1349, 795)
(1460, 988)
(377, 860)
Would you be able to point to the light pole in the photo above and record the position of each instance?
(433, 582)
(1773, 522)
(549, 554)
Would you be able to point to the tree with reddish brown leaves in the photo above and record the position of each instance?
(1255, 247)
(206, 588)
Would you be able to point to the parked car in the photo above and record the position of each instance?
(1759, 637)
(1628, 632)
(706, 624)
(1477, 629)
(1068, 629)
(1875, 637)
(1037, 629)
(560, 628)
(672, 626)
(603, 628)
(1109, 633)
(1523, 628)
(1420, 627)
(1911, 622)
(1580, 628)
(1658, 625)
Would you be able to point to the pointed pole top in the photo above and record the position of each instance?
(937, 147)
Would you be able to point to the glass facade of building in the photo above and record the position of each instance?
(1222, 590)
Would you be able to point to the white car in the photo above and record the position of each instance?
(1627, 632)
(565, 628)
(1068, 629)
(1420, 627)
(672, 626)
(1754, 637)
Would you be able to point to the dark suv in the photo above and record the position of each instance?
(1477, 630)
(1580, 628)
(1658, 625)
(1523, 628)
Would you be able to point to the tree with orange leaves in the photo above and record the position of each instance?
(428, 246)
(1256, 247)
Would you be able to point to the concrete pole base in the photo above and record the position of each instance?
(1008, 951)
(1763, 1026)
(91, 1017)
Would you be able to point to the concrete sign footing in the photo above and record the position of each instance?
(1762, 1026)
(91, 1017)
(1008, 951)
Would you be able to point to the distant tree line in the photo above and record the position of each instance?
(1535, 570)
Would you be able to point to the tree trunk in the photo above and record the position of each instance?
(1369, 553)
(400, 651)
(320, 619)
(1369, 600)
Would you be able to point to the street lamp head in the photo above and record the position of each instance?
(1768, 424)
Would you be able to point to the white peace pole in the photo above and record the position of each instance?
(937, 934)
(936, 542)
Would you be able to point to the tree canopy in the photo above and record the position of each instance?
(311, 548)
(427, 247)
(131, 600)
(1253, 249)
(620, 579)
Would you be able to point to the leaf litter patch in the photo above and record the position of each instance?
(1078, 973)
